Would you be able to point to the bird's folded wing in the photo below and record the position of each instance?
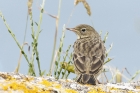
(90, 59)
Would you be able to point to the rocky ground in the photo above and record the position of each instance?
(19, 83)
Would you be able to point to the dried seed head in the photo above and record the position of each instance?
(29, 4)
(76, 2)
(86, 5)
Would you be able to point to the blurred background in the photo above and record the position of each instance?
(121, 18)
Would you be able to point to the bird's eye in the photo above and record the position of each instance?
(83, 29)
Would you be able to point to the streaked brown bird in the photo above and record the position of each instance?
(88, 55)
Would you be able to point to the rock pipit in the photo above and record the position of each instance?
(88, 54)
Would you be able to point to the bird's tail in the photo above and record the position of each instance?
(87, 79)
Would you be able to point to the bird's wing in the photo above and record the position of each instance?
(79, 57)
(88, 57)
(97, 55)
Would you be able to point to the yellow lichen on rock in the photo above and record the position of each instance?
(19, 83)
(98, 90)
(70, 91)
(46, 83)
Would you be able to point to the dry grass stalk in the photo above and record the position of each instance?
(20, 57)
(86, 5)
(55, 37)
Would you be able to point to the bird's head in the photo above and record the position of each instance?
(84, 31)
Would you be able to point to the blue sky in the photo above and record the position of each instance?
(121, 18)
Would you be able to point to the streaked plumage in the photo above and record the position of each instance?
(88, 54)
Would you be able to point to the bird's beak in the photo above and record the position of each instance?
(71, 29)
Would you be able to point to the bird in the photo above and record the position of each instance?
(88, 54)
